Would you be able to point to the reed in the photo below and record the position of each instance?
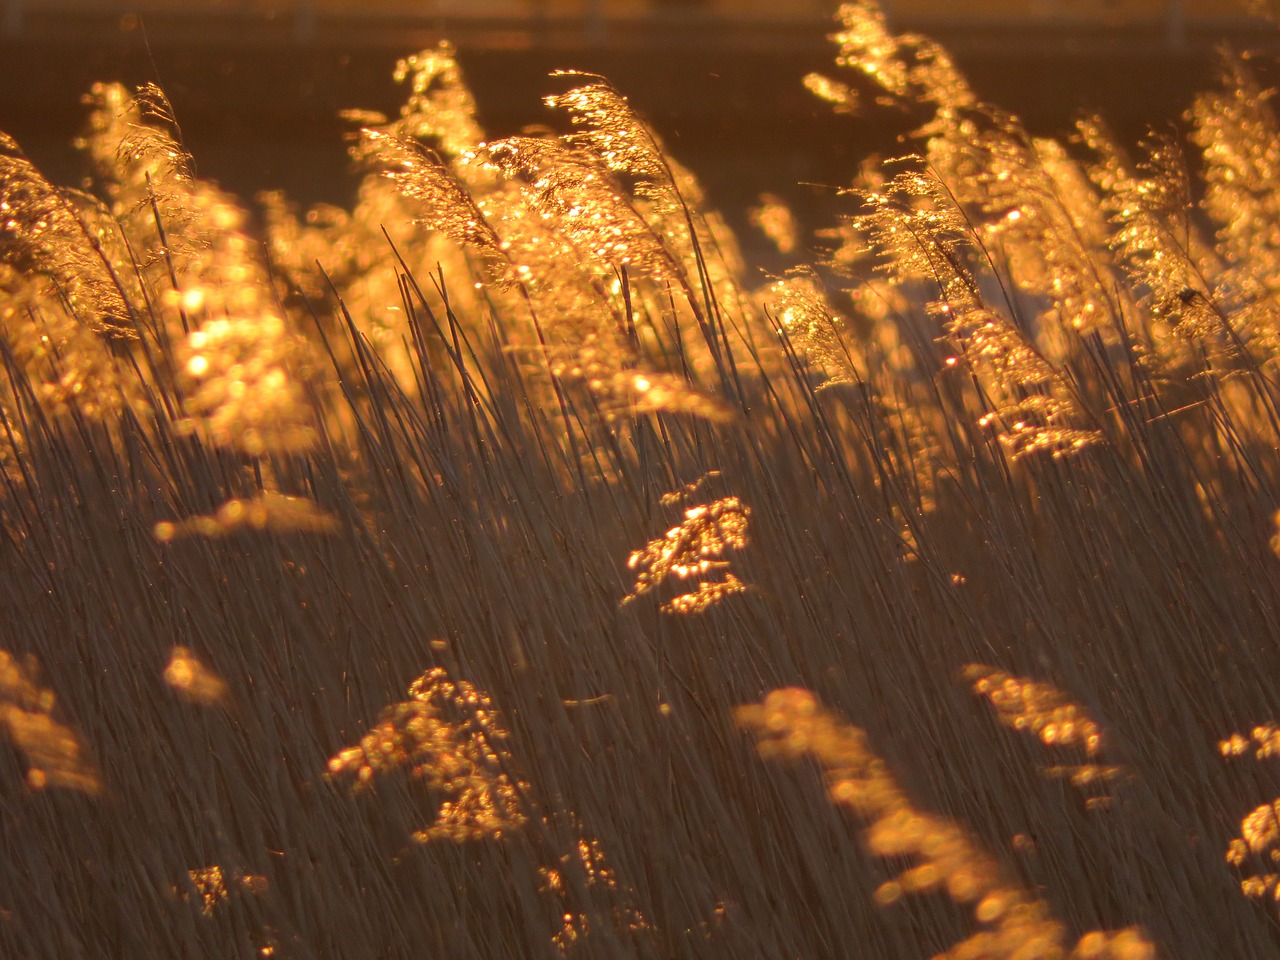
(995, 457)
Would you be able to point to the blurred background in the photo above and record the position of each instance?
(257, 84)
(526, 23)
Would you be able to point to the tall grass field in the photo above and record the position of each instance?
(502, 568)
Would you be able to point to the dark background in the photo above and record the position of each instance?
(262, 114)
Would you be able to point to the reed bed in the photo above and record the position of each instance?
(502, 568)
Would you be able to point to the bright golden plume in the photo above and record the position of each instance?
(694, 550)
(941, 855)
(240, 365)
(1049, 715)
(288, 443)
(448, 737)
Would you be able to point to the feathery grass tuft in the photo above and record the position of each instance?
(1021, 411)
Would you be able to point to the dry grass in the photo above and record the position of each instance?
(1001, 459)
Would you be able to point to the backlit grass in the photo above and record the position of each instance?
(502, 568)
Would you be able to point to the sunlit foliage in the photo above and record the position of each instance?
(1022, 410)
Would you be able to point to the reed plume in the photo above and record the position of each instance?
(1048, 714)
(1022, 413)
(239, 365)
(694, 551)
(61, 235)
(188, 676)
(53, 752)
(791, 724)
(447, 736)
